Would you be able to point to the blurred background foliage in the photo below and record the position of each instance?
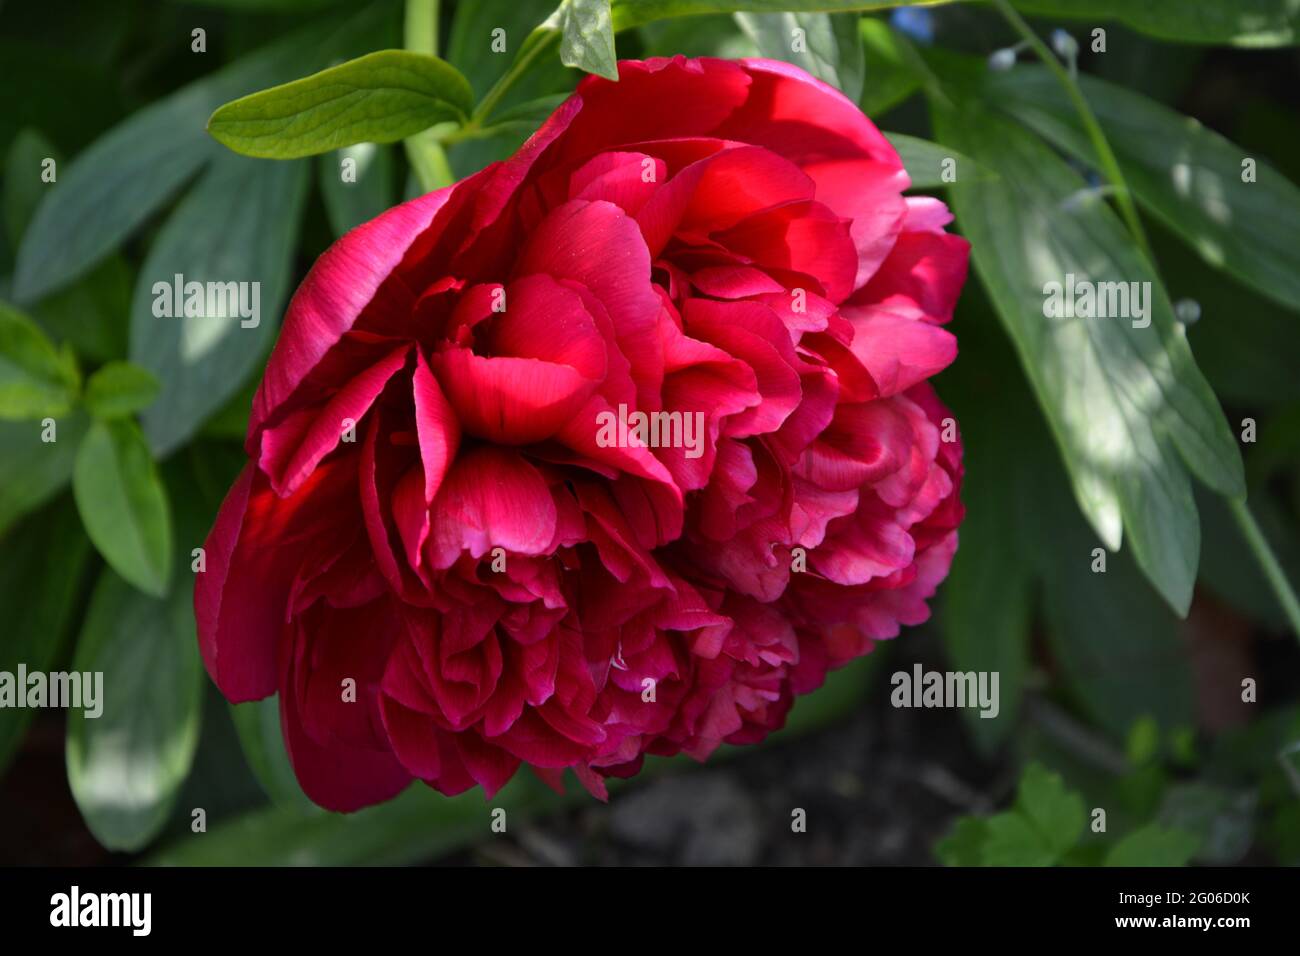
(1119, 690)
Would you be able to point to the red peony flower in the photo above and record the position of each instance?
(610, 449)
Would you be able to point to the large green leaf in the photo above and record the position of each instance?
(23, 187)
(32, 469)
(1238, 22)
(1187, 175)
(123, 503)
(633, 13)
(892, 67)
(126, 766)
(126, 175)
(827, 46)
(372, 188)
(36, 379)
(987, 606)
(1127, 405)
(44, 559)
(381, 97)
(238, 225)
(925, 161)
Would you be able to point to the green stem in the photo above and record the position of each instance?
(420, 27)
(1267, 561)
(517, 69)
(1105, 156)
(427, 157)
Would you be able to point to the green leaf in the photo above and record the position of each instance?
(1057, 813)
(45, 559)
(1153, 845)
(34, 468)
(829, 47)
(633, 13)
(92, 313)
(586, 36)
(892, 67)
(126, 175)
(36, 379)
(370, 191)
(1142, 745)
(123, 504)
(1186, 175)
(119, 388)
(126, 766)
(201, 360)
(1011, 839)
(925, 162)
(381, 97)
(1118, 647)
(964, 844)
(987, 600)
(1258, 23)
(260, 736)
(23, 187)
(1127, 405)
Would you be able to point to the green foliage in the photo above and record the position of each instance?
(36, 378)
(380, 97)
(1096, 677)
(829, 47)
(123, 503)
(118, 389)
(1126, 403)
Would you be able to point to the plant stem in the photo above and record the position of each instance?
(426, 155)
(499, 89)
(420, 26)
(1267, 561)
(1105, 156)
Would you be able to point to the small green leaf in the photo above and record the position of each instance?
(928, 163)
(123, 504)
(127, 763)
(964, 844)
(120, 388)
(36, 379)
(1056, 812)
(380, 98)
(1153, 845)
(587, 36)
(829, 47)
(1143, 742)
(1013, 840)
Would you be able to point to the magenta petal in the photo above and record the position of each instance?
(293, 448)
(338, 288)
(492, 498)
